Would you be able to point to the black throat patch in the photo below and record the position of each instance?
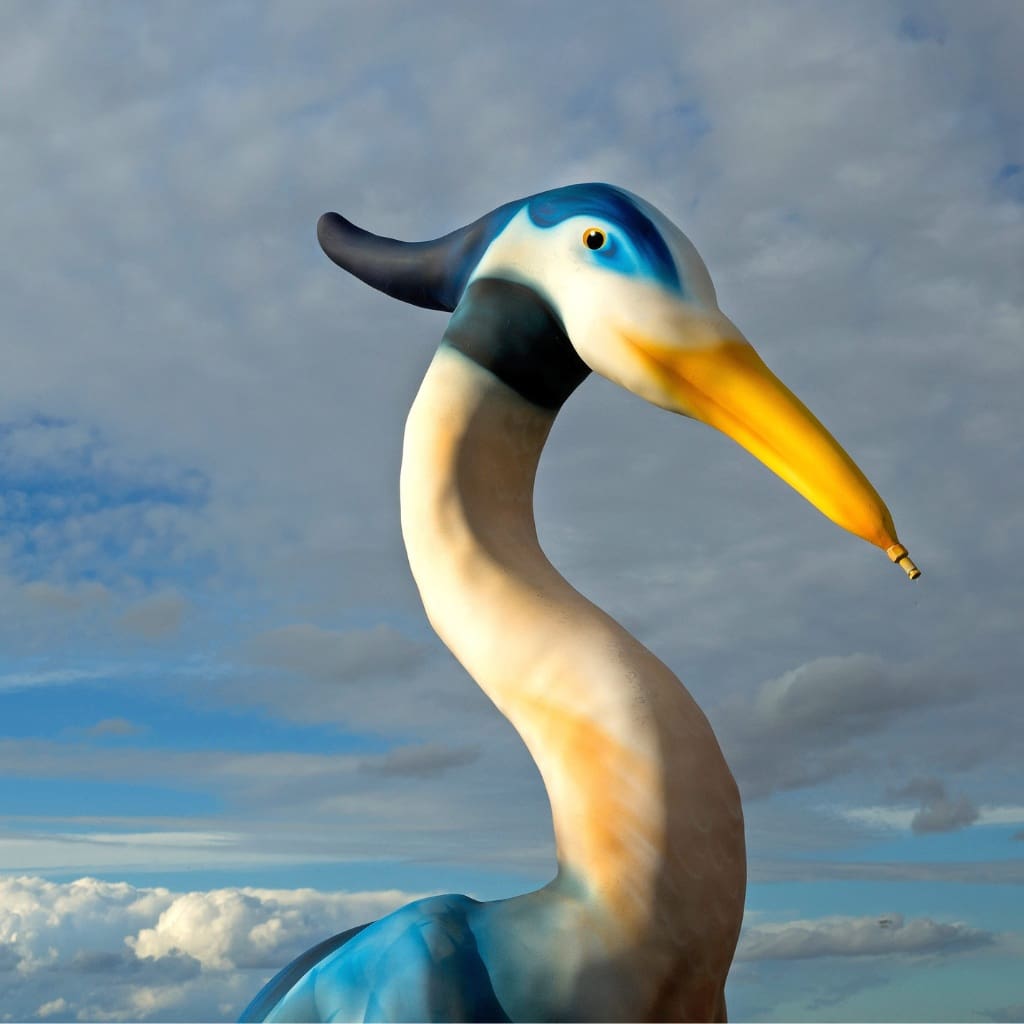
(509, 329)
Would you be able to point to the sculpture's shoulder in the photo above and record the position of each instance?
(421, 962)
(430, 966)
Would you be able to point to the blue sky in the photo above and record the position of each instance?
(220, 701)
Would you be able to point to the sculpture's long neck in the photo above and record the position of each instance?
(644, 809)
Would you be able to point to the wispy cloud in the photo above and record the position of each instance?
(290, 807)
(56, 677)
(115, 727)
(886, 816)
(974, 872)
(884, 935)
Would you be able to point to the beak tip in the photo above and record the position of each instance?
(899, 554)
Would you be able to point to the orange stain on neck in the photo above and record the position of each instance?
(610, 832)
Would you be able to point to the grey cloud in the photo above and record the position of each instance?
(938, 812)
(155, 617)
(767, 990)
(945, 815)
(924, 789)
(61, 597)
(343, 152)
(803, 727)
(488, 806)
(425, 762)
(834, 990)
(1010, 1014)
(857, 693)
(377, 680)
(42, 620)
(857, 937)
(346, 656)
(97, 960)
(171, 967)
(991, 872)
(9, 958)
(238, 772)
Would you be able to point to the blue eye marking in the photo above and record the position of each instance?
(622, 257)
(608, 203)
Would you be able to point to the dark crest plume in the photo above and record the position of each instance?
(429, 274)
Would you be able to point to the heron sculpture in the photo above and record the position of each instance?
(642, 918)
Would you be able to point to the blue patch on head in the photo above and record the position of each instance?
(651, 255)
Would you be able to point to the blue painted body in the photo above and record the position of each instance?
(420, 963)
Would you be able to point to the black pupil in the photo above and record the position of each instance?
(594, 239)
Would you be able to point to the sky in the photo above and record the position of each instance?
(226, 728)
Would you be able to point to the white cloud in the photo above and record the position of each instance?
(229, 928)
(53, 1007)
(45, 922)
(1002, 815)
(879, 817)
(128, 953)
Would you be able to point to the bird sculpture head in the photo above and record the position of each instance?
(591, 277)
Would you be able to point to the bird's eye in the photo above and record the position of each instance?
(594, 238)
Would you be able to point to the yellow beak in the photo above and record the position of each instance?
(727, 385)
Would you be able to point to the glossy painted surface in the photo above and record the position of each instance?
(642, 920)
